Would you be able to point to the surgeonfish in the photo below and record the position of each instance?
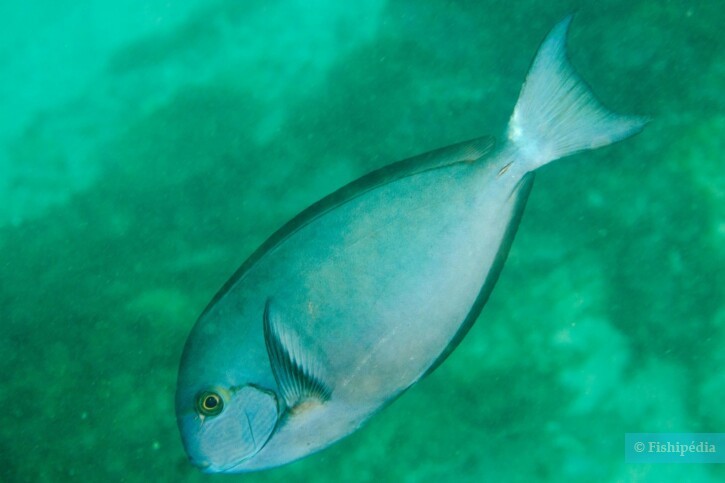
(368, 290)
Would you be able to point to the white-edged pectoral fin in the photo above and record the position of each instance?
(298, 365)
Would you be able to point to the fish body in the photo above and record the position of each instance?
(368, 290)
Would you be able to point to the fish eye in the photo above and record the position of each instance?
(209, 403)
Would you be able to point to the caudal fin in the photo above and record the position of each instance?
(556, 114)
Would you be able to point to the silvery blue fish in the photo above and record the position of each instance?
(368, 290)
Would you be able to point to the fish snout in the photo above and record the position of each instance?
(201, 464)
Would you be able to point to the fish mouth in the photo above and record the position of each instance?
(202, 465)
(207, 468)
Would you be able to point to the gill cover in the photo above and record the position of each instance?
(237, 433)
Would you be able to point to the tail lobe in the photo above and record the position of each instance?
(556, 114)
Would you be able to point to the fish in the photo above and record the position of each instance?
(368, 290)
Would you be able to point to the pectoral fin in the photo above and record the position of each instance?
(297, 366)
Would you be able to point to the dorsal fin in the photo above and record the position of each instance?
(296, 366)
(478, 149)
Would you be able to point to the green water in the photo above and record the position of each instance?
(146, 149)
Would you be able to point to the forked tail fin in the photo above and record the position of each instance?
(556, 114)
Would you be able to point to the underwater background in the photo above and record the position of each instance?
(147, 147)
